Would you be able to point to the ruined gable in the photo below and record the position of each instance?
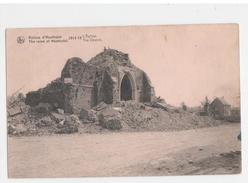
(79, 72)
(110, 56)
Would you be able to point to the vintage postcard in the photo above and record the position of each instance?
(123, 101)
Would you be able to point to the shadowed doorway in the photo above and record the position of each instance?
(126, 89)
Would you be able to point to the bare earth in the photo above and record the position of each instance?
(213, 150)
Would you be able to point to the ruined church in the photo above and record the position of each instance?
(108, 77)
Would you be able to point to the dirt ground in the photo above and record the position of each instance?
(214, 150)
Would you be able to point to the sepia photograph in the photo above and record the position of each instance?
(118, 101)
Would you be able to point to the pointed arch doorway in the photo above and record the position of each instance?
(126, 89)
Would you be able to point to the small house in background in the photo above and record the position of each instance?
(235, 114)
(220, 108)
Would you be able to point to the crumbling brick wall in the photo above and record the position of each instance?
(82, 77)
(53, 93)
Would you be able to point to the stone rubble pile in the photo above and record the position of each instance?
(124, 116)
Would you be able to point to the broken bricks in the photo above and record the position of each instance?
(57, 117)
(110, 119)
(43, 108)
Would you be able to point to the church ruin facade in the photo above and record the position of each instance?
(108, 77)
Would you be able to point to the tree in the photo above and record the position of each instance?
(184, 106)
(205, 105)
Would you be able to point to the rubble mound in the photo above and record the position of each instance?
(141, 117)
(124, 116)
(38, 120)
(110, 119)
(69, 125)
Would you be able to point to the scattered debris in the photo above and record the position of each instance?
(46, 121)
(11, 129)
(57, 117)
(62, 122)
(69, 125)
(92, 116)
(159, 105)
(100, 106)
(74, 119)
(83, 114)
(43, 108)
(18, 129)
(67, 128)
(14, 112)
(60, 111)
(110, 119)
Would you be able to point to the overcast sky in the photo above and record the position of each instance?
(185, 63)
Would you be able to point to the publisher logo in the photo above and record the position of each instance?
(20, 39)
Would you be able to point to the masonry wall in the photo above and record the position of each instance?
(53, 93)
(81, 77)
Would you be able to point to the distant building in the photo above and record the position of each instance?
(220, 108)
(235, 114)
